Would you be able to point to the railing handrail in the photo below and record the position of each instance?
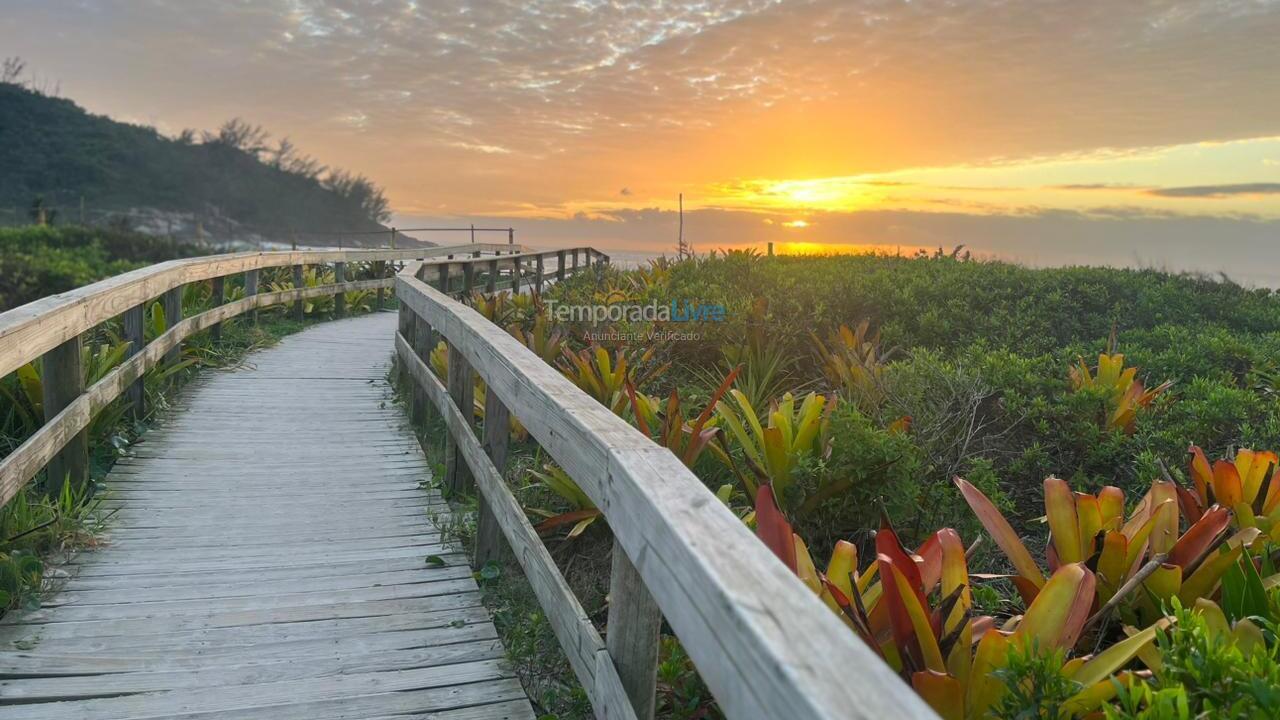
(28, 331)
(764, 643)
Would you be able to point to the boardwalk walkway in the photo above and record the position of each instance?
(268, 560)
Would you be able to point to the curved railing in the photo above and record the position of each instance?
(50, 329)
(765, 645)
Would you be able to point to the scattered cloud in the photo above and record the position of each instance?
(1219, 191)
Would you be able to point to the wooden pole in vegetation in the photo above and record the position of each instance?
(632, 634)
(251, 289)
(560, 266)
(462, 391)
(497, 433)
(62, 376)
(491, 282)
(218, 297)
(173, 316)
(537, 279)
(515, 275)
(340, 297)
(299, 305)
(135, 394)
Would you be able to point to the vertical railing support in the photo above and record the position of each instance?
(62, 376)
(299, 305)
(462, 391)
(537, 279)
(135, 394)
(380, 272)
(497, 433)
(219, 296)
(424, 341)
(491, 282)
(516, 262)
(560, 266)
(575, 260)
(251, 289)
(468, 278)
(443, 281)
(632, 634)
(173, 316)
(339, 297)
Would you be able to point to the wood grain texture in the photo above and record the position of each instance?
(765, 645)
(227, 591)
(572, 626)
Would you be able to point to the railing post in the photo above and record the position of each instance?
(339, 297)
(491, 282)
(62, 375)
(632, 633)
(560, 265)
(462, 391)
(135, 394)
(516, 262)
(424, 341)
(380, 272)
(219, 296)
(575, 260)
(443, 281)
(299, 305)
(497, 433)
(468, 278)
(537, 279)
(173, 316)
(251, 289)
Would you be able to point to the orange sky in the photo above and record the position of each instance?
(998, 124)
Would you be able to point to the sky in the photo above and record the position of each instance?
(1132, 132)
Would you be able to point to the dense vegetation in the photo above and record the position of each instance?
(56, 154)
(839, 404)
(36, 261)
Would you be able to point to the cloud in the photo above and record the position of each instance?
(1218, 191)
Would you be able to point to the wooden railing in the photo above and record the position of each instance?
(765, 645)
(50, 329)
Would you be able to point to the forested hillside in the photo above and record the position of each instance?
(55, 155)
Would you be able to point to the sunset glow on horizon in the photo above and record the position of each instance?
(1017, 129)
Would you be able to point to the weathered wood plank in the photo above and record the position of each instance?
(62, 383)
(256, 568)
(573, 628)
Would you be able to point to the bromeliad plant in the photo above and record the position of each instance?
(1247, 484)
(605, 378)
(1124, 392)
(687, 441)
(914, 609)
(582, 510)
(774, 445)
(1147, 551)
(854, 362)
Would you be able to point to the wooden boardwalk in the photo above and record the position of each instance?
(268, 560)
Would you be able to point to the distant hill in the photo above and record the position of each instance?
(224, 186)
